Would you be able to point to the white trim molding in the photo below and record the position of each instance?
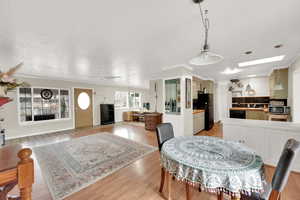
(39, 133)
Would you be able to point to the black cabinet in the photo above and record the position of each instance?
(238, 114)
(42, 117)
(107, 112)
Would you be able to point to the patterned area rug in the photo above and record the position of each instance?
(73, 165)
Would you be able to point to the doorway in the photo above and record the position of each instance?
(83, 107)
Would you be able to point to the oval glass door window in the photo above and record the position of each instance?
(83, 100)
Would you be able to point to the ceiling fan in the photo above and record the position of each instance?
(205, 57)
(7, 76)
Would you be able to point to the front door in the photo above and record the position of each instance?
(83, 102)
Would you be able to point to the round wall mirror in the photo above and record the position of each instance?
(83, 100)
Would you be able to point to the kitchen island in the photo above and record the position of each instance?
(267, 138)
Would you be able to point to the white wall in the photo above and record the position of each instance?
(294, 92)
(177, 120)
(183, 122)
(259, 84)
(296, 99)
(102, 94)
(223, 101)
(188, 112)
(159, 102)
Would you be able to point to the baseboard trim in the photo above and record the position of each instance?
(274, 167)
(39, 133)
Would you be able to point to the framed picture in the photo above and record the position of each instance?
(188, 93)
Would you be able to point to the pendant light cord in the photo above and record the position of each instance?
(205, 22)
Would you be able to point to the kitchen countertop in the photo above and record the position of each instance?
(250, 109)
(198, 111)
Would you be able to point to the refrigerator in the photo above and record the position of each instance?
(206, 102)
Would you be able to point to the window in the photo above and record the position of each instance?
(135, 100)
(121, 99)
(40, 104)
(128, 99)
(25, 101)
(64, 104)
(83, 101)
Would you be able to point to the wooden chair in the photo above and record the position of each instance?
(164, 132)
(22, 175)
(273, 190)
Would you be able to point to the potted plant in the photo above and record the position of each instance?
(7, 82)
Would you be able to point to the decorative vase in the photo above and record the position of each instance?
(3, 91)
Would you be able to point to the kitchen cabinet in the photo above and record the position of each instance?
(266, 138)
(256, 115)
(198, 122)
(196, 88)
(276, 77)
(199, 85)
(238, 114)
(210, 86)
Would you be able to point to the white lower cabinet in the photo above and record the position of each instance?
(198, 122)
(266, 142)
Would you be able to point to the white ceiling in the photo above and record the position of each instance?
(84, 40)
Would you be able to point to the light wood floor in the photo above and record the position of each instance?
(140, 180)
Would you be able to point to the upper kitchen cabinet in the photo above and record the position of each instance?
(210, 86)
(279, 84)
(204, 86)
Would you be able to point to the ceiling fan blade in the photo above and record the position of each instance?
(14, 69)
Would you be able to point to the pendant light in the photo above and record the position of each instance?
(205, 57)
(278, 84)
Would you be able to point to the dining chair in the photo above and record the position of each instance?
(164, 132)
(273, 190)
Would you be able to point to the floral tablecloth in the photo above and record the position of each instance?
(214, 164)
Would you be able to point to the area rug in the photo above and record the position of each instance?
(73, 165)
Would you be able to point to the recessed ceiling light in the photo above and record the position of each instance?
(261, 61)
(229, 71)
(248, 52)
(278, 46)
(251, 76)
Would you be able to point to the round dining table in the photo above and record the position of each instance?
(214, 165)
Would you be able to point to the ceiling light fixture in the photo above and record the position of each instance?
(251, 76)
(111, 77)
(278, 46)
(261, 61)
(205, 57)
(229, 71)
